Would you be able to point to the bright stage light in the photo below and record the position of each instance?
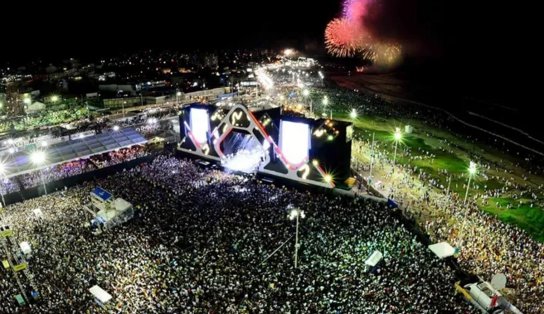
(327, 178)
(116, 128)
(200, 124)
(294, 141)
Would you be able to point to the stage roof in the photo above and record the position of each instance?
(57, 153)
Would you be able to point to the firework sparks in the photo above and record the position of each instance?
(344, 39)
(348, 37)
(387, 55)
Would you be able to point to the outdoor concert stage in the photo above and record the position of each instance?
(268, 142)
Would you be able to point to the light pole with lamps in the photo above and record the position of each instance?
(371, 161)
(325, 101)
(471, 172)
(38, 158)
(295, 214)
(178, 94)
(306, 93)
(398, 137)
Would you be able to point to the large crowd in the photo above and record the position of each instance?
(487, 245)
(204, 241)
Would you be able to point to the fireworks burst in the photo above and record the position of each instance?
(348, 37)
(387, 55)
(343, 38)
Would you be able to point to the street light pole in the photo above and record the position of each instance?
(397, 136)
(395, 153)
(466, 192)
(305, 94)
(295, 214)
(471, 172)
(371, 160)
(178, 94)
(448, 189)
(296, 245)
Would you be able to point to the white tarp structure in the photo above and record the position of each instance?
(442, 249)
(25, 248)
(100, 295)
(119, 212)
(38, 212)
(35, 107)
(112, 214)
(374, 258)
(121, 205)
(498, 281)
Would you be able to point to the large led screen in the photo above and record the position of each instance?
(200, 124)
(295, 141)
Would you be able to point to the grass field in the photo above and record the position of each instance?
(440, 150)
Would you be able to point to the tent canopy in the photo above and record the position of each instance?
(25, 247)
(442, 249)
(100, 294)
(374, 259)
(58, 153)
(121, 205)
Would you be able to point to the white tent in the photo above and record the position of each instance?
(442, 249)
(100, 295)
(38, 212)
(34, 107)
(374, 259)
(121, 205)
(25, 247)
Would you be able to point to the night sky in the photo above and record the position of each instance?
(451, 37)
